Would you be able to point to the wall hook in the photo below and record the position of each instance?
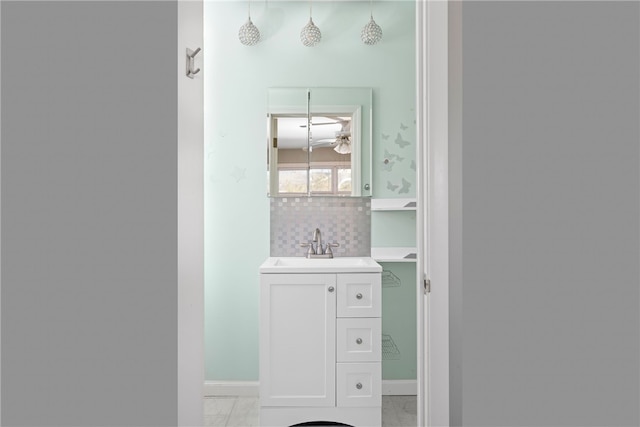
(191, 54)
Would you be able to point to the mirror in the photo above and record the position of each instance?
(319, 142)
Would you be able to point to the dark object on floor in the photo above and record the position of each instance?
(320, 423)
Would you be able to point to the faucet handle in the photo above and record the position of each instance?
(309, 245)
(328, 251)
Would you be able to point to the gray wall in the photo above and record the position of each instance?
(544, 297)
(89, 190)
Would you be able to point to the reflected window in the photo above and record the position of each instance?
(292, 181)
(344, 180)
(321, 180)
(325, 179)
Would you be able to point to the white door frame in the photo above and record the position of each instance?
(190, 146)
(433, 222)
(433, 211)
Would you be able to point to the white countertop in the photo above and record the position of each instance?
(320, 265)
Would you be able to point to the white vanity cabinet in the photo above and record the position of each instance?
(320, 348)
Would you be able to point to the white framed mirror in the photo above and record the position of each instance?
(319, 142)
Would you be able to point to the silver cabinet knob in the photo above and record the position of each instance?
(331, 289)
(359, 296)
(359, 386)
(359, 341)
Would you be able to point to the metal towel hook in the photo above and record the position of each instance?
(191, 54)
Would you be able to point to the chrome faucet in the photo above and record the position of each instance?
(317, 239)
(318, 251)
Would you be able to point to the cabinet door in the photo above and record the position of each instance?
(297, 339)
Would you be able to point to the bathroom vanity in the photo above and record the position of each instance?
(320, 341)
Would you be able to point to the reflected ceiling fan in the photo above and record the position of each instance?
(341, 142)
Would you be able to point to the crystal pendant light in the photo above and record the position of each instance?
(249, 34)
(371, 33)
(310, 34)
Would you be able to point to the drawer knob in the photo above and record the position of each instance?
(359, 386)
(359, 296)
(331, 289)
(359, 341)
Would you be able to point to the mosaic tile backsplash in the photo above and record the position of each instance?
(346, 220)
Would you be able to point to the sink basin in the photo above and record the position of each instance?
(320, 265)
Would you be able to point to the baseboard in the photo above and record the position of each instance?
(252, 388)
(231, 388)
(399, 387)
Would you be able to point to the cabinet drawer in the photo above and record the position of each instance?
(359, 295)
(359, 384)
(359, 339)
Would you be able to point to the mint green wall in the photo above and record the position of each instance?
(236, 81)
(399, 320)
(393, 228)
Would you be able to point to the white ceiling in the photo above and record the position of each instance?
(292, 131)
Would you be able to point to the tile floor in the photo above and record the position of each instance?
(234, 411)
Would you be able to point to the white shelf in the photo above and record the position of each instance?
(393, 204)
(396, 254)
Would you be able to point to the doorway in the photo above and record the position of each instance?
(426, 410)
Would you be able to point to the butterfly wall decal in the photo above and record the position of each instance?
(401, 142)
(405, 186)
(391, 186)
(239, 173)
